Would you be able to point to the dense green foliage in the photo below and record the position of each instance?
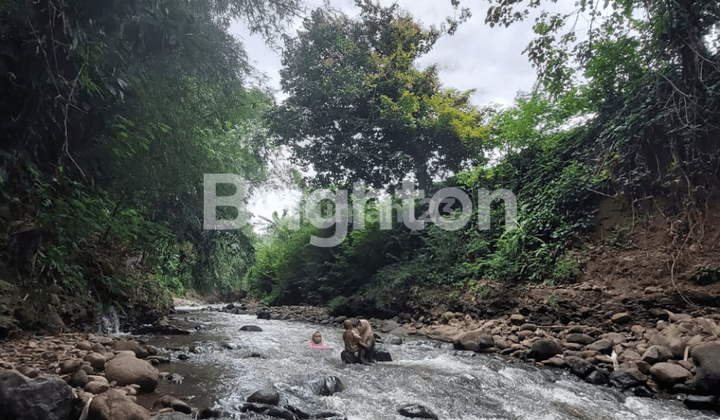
(627, 108)
(552, 179)
(360, 110)
(115, 110)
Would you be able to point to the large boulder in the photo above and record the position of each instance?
(115, 405)
(127, 370)
(42, 398)
(706, 357)
(326, 386)
(544, 349)
(474, 340)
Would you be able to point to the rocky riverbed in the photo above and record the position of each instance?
(84, 375)
(677, 356)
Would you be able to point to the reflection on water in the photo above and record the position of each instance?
(228, 365)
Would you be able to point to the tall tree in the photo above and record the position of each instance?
(359, 108)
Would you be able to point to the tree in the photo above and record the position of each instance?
(652, 71)
(360, 110)
(116, 110)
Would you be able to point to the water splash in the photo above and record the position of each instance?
(108, 323)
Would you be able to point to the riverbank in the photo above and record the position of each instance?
(110, 376)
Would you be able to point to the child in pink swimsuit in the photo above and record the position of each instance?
(317, 342)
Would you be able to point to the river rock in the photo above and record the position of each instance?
(628, 356)
(173, 416)
(265, 396)
(525, 334)
(686, 332)
(131, 345)
(268, 410)
(621, 318)
(555, 361)
(474, 340)
(28, 371)
(597, 377)
(42, 398)
(579, 367)
(615, 337)
(669, 374)
(583, 339)
(78, 379)
(399, 332)
(604, 346)
(626, 377)
(382, 355)
(207, 413)
(167, 401)
(115, 405)
(702, 402)
(389, 326)
(70, 365)
(252, 328)
(656, 354)
(263, 315)
(97, 360)
(394, 340)
(442, 332)
(126, 370)
(84, 345)
(326, 386)
(99, 348)
(706, 357)
(544, 349)
(96, 387)
(416, 411)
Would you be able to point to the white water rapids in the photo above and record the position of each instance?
(452, 384)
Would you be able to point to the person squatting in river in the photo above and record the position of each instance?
(353, 344)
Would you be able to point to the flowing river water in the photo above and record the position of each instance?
(231, 364)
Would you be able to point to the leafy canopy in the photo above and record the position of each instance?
(359, 109)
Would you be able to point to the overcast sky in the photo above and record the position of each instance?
(478, 57)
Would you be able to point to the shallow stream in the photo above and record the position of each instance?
(232, 364)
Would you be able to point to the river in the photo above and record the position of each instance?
(232, 364)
